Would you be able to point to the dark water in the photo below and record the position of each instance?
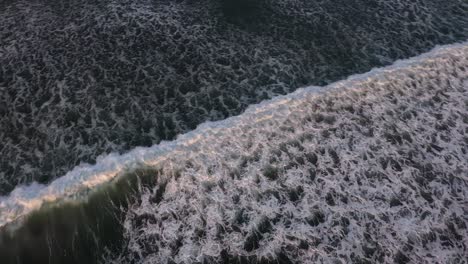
(83, 78)
(76, 232)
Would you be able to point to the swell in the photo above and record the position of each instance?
(78, 186)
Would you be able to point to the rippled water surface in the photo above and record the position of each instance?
(101, 159)
(83, 78)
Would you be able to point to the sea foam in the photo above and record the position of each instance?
(373, 169)
(77, 183)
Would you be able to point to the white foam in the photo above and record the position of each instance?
(24, 199)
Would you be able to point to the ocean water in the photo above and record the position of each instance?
(81, 78)
(373, 169)
(369, 169)
(175, 131)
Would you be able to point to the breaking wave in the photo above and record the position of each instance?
(82, 78)
(372, 168)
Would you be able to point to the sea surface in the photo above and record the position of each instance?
(83, 78)
(178, 132)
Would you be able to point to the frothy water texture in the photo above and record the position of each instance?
(110, 150)
(81, 78)
(370, 169)
(374, 170)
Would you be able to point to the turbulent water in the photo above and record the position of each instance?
(370, 169)
(374, 171)
(95, 98)
(81, 78)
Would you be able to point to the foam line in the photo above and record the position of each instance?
(77, 183)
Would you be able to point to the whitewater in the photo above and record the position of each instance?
(81, 78)
(373, 169)
(266, 138)
(24, 199)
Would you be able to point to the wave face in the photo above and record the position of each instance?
(81, 78)
(370, 169)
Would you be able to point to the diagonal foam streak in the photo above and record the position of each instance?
(77, 183)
